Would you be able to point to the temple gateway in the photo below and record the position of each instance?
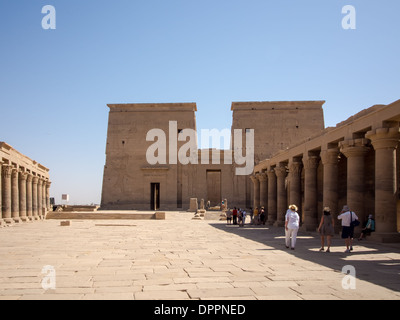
(296, 160)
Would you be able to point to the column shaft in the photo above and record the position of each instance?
(281, 196)
(7, 170)
(355, 152)
(272, 192)
(22, 195)
(310, 193)
(263, 190)
(29, 197)
(330, 187)
(385, 142)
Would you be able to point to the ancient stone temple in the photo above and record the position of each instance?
(24, 187)
(356, 163)
(153, 160)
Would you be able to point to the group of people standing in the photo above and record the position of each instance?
(326, 227)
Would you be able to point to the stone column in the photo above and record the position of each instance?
(44, 201)
(7, 171)
(385, 142)
(1, 194)
(295, 184)
(48, 184)
(281, 196)
(310, 193)
(39, 198)
(256, 191)
(263, 190)
(272, 191)
(355, 152)
(35, 198)
(329, 160)
(15, 196)
(29, 196)
(22, 195)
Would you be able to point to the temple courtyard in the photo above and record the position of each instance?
(180, 258)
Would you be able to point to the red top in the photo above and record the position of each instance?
(234, 212)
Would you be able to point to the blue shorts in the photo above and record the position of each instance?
(347, 232)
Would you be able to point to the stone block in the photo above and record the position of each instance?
(160, 215)
(65, 223)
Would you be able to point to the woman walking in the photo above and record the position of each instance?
(292, 225)
(326, 229)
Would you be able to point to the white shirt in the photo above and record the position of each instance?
(345, 217)
(293, 219)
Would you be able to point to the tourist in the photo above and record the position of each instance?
(240, 217)
(347, 218)
(229, 217)
(292, 225)
(244, 215)
(370, 227)
(326, 229)
(255, 216)
(262, 216)
(234, 215)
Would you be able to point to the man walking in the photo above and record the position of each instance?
(347, 217)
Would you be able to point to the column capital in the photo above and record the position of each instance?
(35, 179)
(280, 172)
(330, 156)
(7, 170)
(254, 178)
(295, 167)
(383, 138)
(354, 147)
(262, 176)
(48, 184)
(311, 162)
(23, 175)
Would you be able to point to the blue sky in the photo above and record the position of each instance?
(55, 84)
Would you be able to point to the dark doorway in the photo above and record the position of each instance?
(155, 196)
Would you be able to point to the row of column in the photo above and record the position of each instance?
(270, 188)
(23, 196)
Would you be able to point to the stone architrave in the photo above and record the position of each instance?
(22, 195)
(281, 195)
(385, 141)
(272, 193)
(310, 193)
(355, 151)
(330, 162)
(7, 171)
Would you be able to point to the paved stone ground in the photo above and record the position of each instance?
(180, 258)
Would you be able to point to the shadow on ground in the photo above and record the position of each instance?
(374, 262)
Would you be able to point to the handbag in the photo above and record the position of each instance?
(354, 223)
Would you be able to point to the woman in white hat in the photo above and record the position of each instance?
(292, 224)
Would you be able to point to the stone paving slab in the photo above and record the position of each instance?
(180, 258)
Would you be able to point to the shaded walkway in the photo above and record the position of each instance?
(374, 262)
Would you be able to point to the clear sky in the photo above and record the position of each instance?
(55, 84)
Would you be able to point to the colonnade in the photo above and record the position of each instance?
(24, 196)
(292, 177)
